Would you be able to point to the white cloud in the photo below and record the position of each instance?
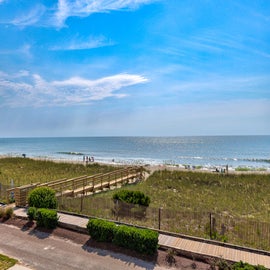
(83, 8)
(33, 90)
(31, 17)
(55, 15)
(86, 44)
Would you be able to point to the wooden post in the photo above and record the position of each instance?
(159, 217)
(61, 194)
(210, 223)
(82, 195)
(101, 183)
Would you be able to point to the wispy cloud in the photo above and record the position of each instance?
(84, 8)
(31, 17)
(23, 89)
(214, 42)
(23, 51)
(55, 15)
(84, 44)
(233, 85)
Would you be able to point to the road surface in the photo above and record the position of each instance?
(41, 251)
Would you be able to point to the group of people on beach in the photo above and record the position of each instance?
(88, 159)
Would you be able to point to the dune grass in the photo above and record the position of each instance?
(244, 195)
(6, 262)
(240, 195)
(26, 171)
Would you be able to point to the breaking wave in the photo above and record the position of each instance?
(71, 153)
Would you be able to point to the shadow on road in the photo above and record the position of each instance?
(130, 258)
(32, 229)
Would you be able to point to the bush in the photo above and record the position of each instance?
(46, 218)
(101, 230)
(8, 212)
(170, 259)
(31, 213)
(135, 197)
(42, 197)
(141, 240)
(246, 266)
(2, 212)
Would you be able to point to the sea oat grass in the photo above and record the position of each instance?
(22, 171)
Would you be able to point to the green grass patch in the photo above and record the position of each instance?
(6, 262)
(238, 195)
(26, 171)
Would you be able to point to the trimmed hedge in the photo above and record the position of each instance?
(42, 197)
(31, 213)
(101, 230)
(141, 240)
(46, 218)
(135, 197)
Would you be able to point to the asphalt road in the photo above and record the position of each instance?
(39, 251)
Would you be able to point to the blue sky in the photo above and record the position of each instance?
(134, 67)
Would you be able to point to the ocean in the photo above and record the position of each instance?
(206, 151)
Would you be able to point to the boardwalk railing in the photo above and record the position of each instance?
(79, 186)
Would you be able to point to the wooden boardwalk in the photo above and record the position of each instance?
(227, 252)
(82, 185)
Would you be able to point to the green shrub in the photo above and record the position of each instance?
(246, 266)
(8, 212)
(135, 197)
(2, 212)
(31, 213)
(101, 230)
(42, 197)
(46, 218)
(141, 240)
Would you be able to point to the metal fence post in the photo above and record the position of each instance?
(210, 223)
(82, 196)
(159, 217)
